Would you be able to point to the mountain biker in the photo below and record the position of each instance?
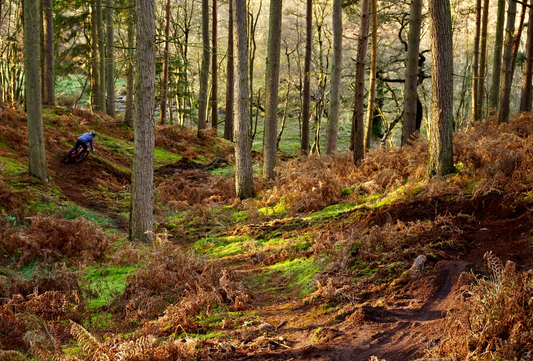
(83, 140)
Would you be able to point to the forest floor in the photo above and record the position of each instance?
(323, 284)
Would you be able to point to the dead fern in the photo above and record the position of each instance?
(494, 318)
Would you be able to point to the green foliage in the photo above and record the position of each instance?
(107, 282)
(223, 246)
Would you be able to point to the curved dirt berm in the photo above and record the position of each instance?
(397, 331)
(408, 321)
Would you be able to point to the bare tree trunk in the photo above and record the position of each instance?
(95, 70)
(32, 65)
(336, 72)
(142, 175)
(482, 59)
(518, 34)
(49, 85)
(244, 181)
(101, 53)
(411, 72)
(230, 90)
(130, 67)
(1, 77)
(271, 87)
(214, 70)
(525, 100)
(507, 64)
(475, 62)
(204, 70)
(370, 110)
(440, 158)
(306, 108)
(497, 63)
(110, 59)
(358, 127)
(164, 81)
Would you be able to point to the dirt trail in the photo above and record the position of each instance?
(407, 321)
(399, 330)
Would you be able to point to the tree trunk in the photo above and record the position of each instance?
(95, 70)
(101, 53)
(358, 126)
(214, 70)
(1, 77)
(411, 72)
(110, 61)
(497, 63)
(164, 81)
(525, 100)
(49, 85)
(142, 175)
(130, 67)
(306, 106)
(32, 65)
(230, 90)
(482, 59)
(204, 70)
(440, 158)
(244, 181)
(336, 72)
(475, 62)
(370, 110)
(271, 87)
(518, 35)
(507, 77)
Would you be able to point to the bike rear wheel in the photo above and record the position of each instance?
(69, 157)
(83, 154)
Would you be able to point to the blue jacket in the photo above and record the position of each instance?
(87, 138)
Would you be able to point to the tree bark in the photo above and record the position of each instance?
(370, 110)
(336, 72)
(230, 90)
(497, 62)
(475, 62)
(164, 81)
(49, 85)
(306, 104)
(32, 65)
(271, 87)
(482, 59)
(101, 54)
(440, 157)
(527, 83)
(411, 72)
(110, 60)
(358, 126)
(507, 77)
(214, 70)
(130, 67)
(1, 78)
(95, 70)
(204, 70)
(518, 34)
(244, 181)
(142, 175)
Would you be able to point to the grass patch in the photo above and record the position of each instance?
(331, 211)
(290, 278)
(73, 211)
(223, 246)
(162, 157)
(107, 282)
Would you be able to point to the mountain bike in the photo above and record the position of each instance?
(76, 155)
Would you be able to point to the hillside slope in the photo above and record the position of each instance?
(319, 266)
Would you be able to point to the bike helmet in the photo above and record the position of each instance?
(93, 134)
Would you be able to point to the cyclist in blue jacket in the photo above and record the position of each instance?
(83, 140)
